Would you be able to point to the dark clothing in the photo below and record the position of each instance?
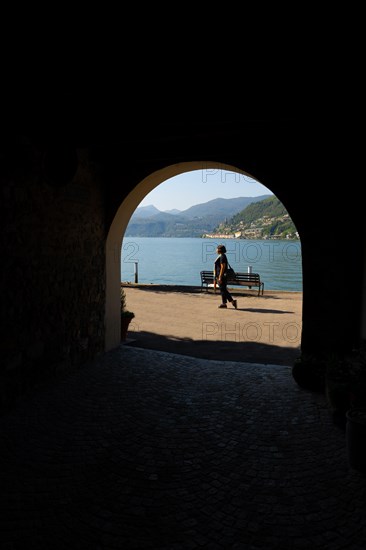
(221, 259)
(225, 294)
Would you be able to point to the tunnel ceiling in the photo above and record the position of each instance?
(85, 120)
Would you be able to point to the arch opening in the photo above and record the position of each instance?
(117, 232)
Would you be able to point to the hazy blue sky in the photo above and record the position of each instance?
(200, 186)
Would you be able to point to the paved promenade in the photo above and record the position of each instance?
(145, 449)
(184, 320)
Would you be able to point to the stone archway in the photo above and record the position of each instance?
(117, 230)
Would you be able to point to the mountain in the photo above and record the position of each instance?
(221, 208)
(174, 211)
(147, 211)
(261, 220)
(196, 221)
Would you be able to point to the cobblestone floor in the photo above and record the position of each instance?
(151, 450)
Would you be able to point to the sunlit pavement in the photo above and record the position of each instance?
(150, 450)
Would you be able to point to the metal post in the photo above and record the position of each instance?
(136, 273)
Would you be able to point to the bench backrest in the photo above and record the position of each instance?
(248, 277)
(241, 277)
(207, 275)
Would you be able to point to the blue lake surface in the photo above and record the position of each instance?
(173, 261)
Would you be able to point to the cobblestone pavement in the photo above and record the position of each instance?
(151, 450)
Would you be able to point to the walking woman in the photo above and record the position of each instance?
(220, 270)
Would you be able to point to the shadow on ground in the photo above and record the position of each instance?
(248, 352)
(184, 289)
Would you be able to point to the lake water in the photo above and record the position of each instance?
(174, 261)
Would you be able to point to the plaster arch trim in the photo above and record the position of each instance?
(118, 228)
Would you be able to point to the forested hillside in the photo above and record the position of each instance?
(264, 219)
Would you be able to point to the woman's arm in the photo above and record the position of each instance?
(222, 270)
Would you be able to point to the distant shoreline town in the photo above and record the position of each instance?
(240, 237)
(241, 218)
(257, 230)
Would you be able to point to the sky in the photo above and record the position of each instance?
(199, 186)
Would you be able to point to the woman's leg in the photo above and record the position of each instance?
(225, 295)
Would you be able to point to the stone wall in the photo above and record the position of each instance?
(53, 272)
(57, 204)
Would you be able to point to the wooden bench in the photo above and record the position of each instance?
(241, 279)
